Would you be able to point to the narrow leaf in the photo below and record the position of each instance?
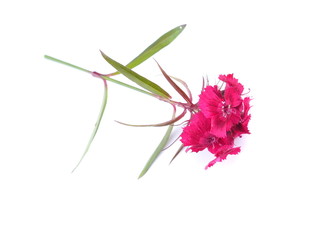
(135, 77)
(174, 85)
(185, 85)
(126, 85)
(102, 108)
(155, 47)
(177, 153)
(158, 149)
(170, 122)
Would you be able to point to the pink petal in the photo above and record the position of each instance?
(219, 127)
(213, 162)
(210, 102)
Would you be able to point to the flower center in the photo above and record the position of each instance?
(226, 110)
(207, 139)
(211, 139)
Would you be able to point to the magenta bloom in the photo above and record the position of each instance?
(222, 117)
(222, 107)
(197, 134)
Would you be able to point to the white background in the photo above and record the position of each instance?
(269, 191)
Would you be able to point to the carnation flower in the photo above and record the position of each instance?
(220, 116)
(223, 107)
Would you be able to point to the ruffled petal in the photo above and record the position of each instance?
(213, 162)
(219, 127)
(196, 135)
(211, 101)
(231, 82)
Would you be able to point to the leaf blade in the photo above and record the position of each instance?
(177, 153)
(174, 85)
(126, 85)
(135, 77)
(155, 47)
(95, 130)
(158, 150)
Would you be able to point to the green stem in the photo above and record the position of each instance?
(65, 63)
(99, 75)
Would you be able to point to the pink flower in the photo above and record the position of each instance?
(221, 118)
(196, 135)
(222, 107)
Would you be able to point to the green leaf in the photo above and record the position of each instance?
(155, 47)
(135, 77)
(96, 127)
(158, 149)
(126, 85)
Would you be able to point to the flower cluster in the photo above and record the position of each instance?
(222, 116)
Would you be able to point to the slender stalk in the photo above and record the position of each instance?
(95, 74)
(66, 63)
(170, 122)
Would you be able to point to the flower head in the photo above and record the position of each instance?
(223, 107)
(222, 117)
